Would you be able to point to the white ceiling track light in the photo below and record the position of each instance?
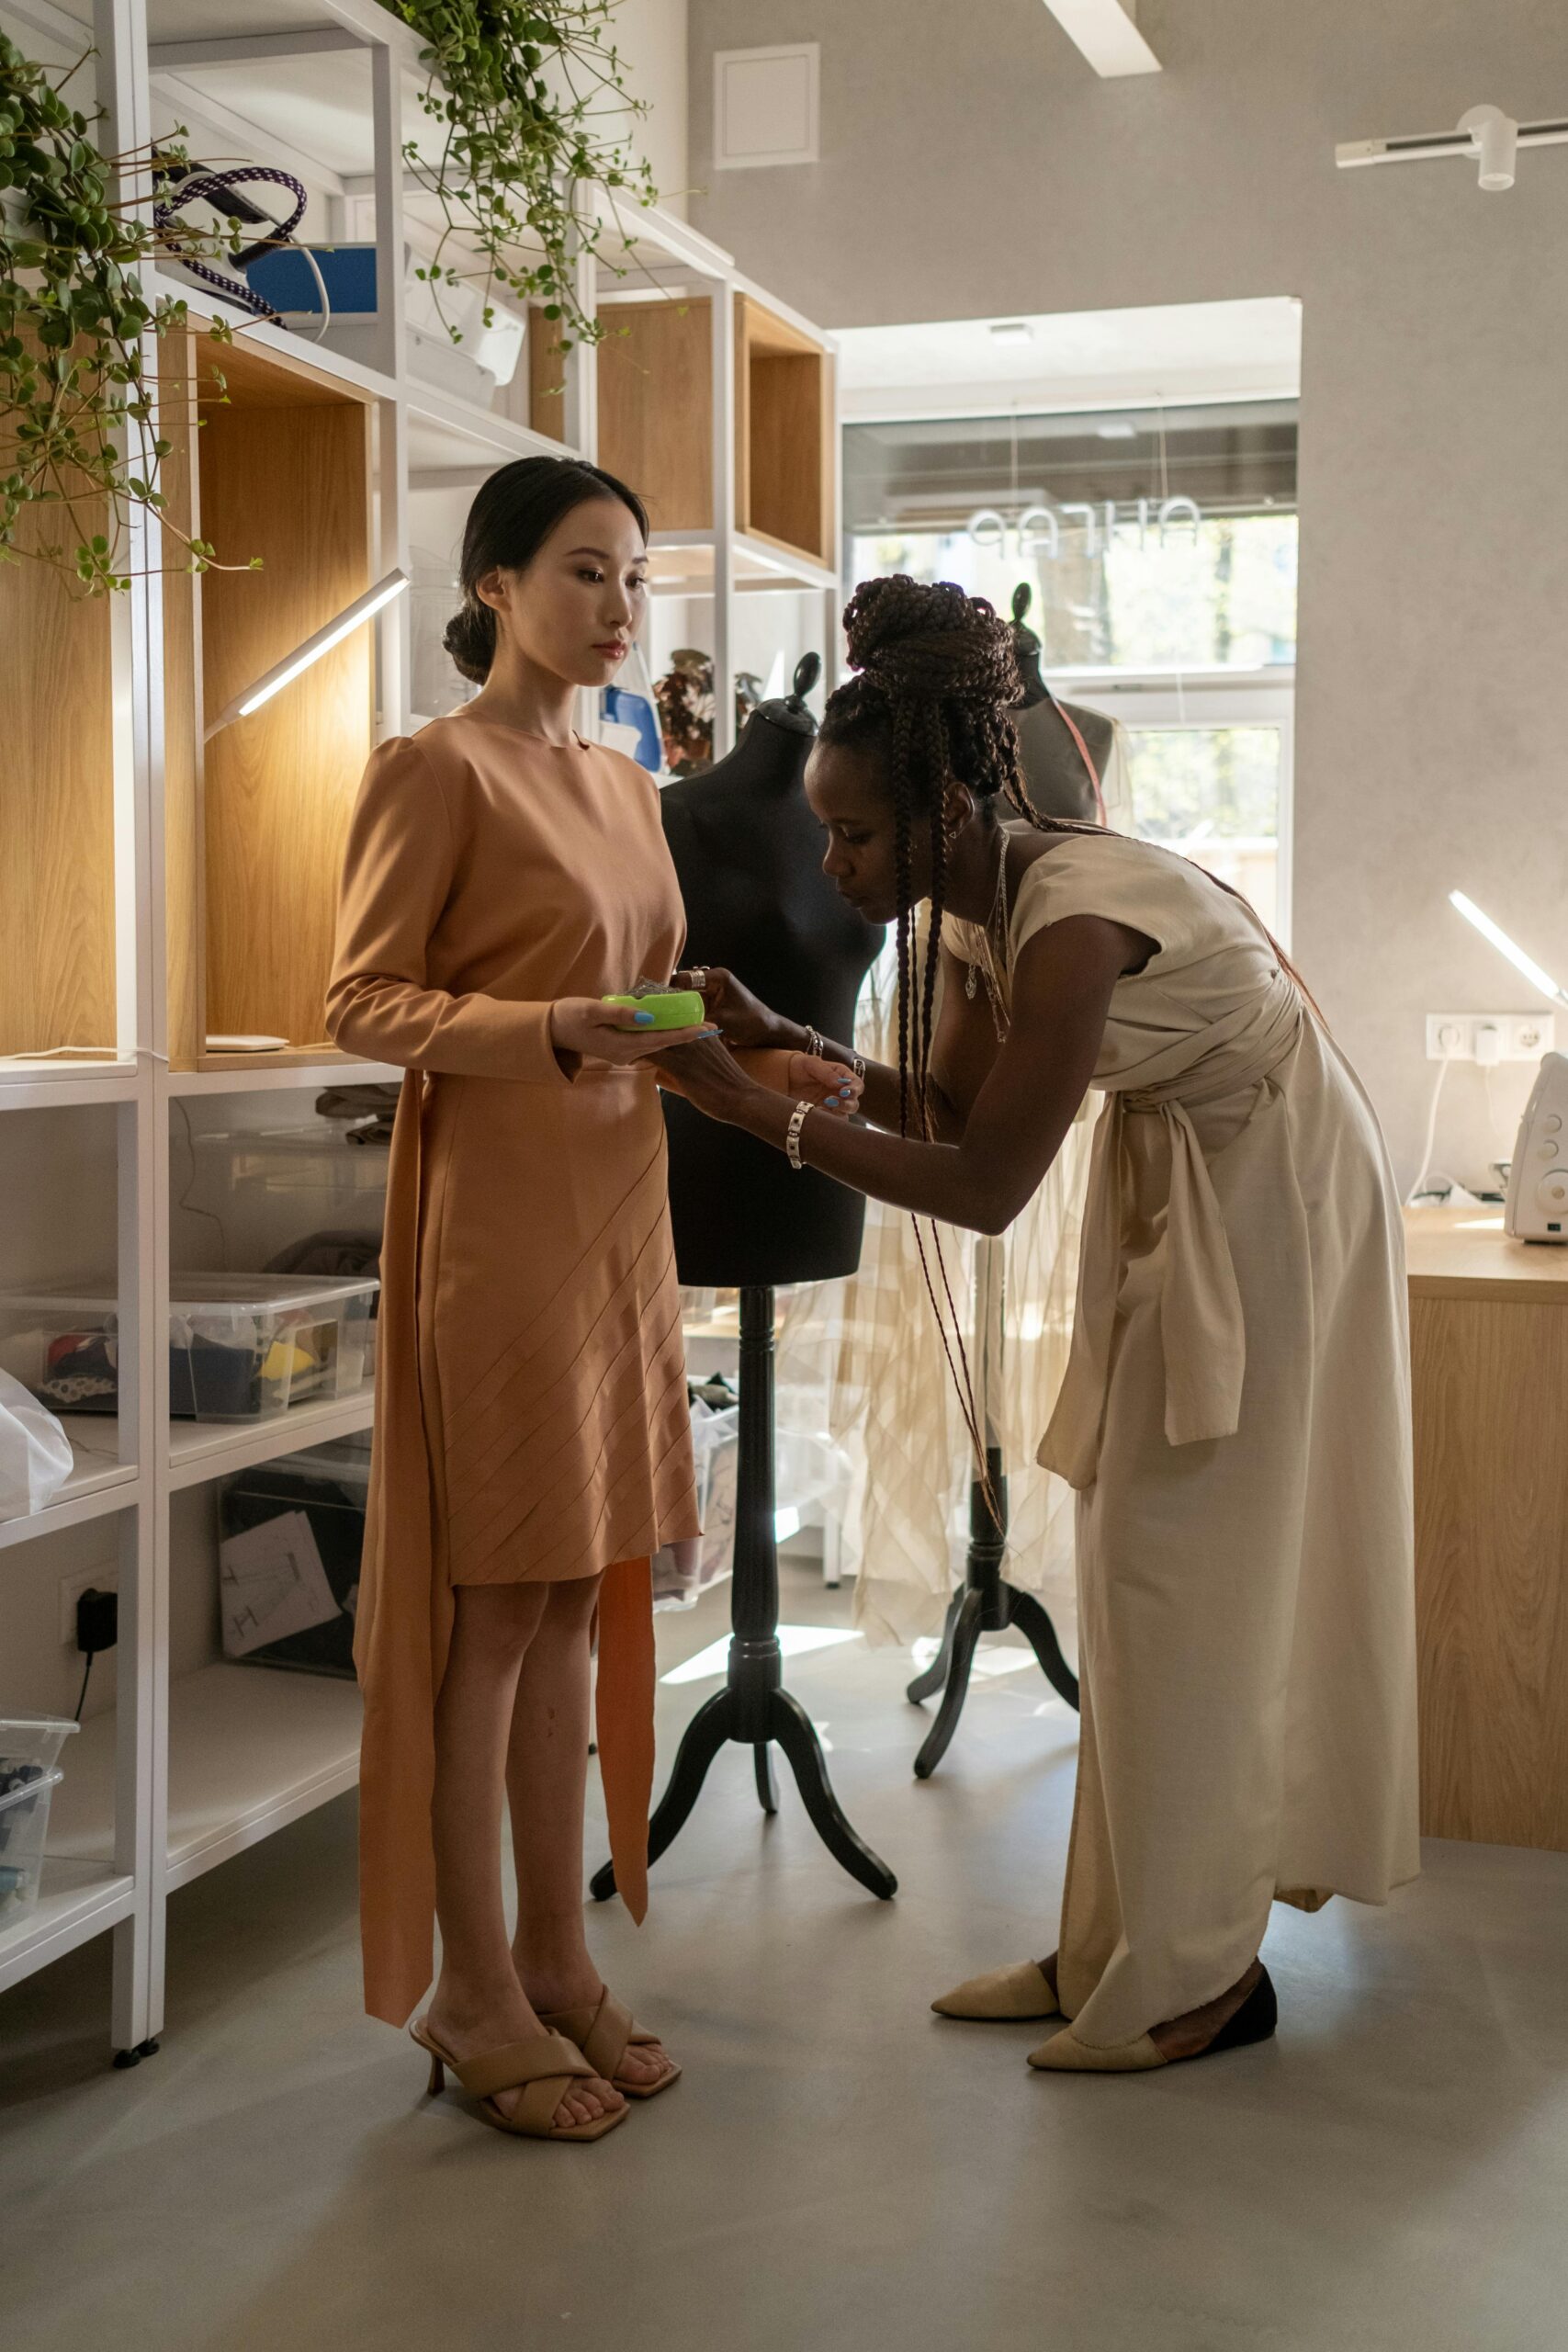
(1486, 136)
(330, 633)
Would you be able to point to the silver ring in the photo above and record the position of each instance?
(699, 977)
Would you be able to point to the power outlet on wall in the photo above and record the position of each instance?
(1521, 1036)
(71, 1591)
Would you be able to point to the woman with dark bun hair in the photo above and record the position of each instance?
(1235, 1412)
(532, 1445)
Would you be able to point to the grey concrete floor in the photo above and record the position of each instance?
(837, 2168)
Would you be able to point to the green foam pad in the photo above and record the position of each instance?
(675, 1009)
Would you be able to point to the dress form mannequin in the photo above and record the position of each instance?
(1053, 764)
(748, 853)
(1060, 785)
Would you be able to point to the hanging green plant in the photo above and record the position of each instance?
(531, 98)
(78, 427)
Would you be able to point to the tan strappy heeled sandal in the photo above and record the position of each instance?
(540, 2068)
(604, 2035)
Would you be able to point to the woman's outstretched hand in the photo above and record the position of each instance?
(707, 1073)
(742, 1019)
(832, 1086)
(617, 1033)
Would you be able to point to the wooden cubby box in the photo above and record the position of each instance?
(256, 817)
(656, 419)
(655, 405)
(784, 454)
(57, 881)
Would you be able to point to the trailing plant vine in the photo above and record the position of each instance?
(78, 421)
(531, 100)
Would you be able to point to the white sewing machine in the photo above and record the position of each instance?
(1537, 1181)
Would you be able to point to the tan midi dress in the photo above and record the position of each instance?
(531, 1418)
(1235, 1418)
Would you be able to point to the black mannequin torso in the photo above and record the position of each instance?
(748, 853)
(1053, 764)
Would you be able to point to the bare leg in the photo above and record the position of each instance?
(547, 1777)
(478, 2003)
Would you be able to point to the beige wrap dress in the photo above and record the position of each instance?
(1235, 1418)
(531, 1416)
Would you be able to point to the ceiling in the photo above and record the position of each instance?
(1183, 351)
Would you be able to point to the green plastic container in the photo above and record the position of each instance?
(674, 1009)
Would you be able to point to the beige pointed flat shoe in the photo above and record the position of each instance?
(1003, 1995)
(541, 2068)
(604, 2035)
(1065, 2055)
(1255, 2020)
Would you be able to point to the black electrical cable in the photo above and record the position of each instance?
(85, 1673)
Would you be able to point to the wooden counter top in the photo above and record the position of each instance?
(1464, 1253)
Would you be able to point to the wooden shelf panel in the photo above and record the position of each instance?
(76, 1901)
(57, 930)
(656, 407)
(279, 471)
(288, 483)
(786, 453)
(1465, 1254)
(249, 1750)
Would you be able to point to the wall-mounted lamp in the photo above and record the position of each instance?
(332, 632)
(1508, 947)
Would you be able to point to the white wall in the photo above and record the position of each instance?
(651, 38)
(974, 166)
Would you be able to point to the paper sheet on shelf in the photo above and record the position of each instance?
(272, 1584)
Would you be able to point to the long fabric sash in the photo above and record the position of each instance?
(1202, 1330)
(624, 1714)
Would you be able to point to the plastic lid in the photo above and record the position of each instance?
(32, 1788)
(38, 1723)
(269, 1292)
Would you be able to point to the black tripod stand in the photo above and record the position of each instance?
(985, 1602)
(754, 1708)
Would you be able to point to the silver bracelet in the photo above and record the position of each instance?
(791, 1139)
(817, 1044)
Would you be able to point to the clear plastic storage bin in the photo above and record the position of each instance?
(329, 1486)
(29, 1773)
(242, 1347)
(269, 1188)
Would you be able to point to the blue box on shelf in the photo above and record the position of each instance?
(285, 278)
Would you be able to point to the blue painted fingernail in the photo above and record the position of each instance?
(643, 1020)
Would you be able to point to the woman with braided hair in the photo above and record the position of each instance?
(1235, 1411)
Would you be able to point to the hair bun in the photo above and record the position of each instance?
(910, 637)
(469, 638)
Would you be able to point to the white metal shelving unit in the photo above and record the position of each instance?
(185, 1772)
